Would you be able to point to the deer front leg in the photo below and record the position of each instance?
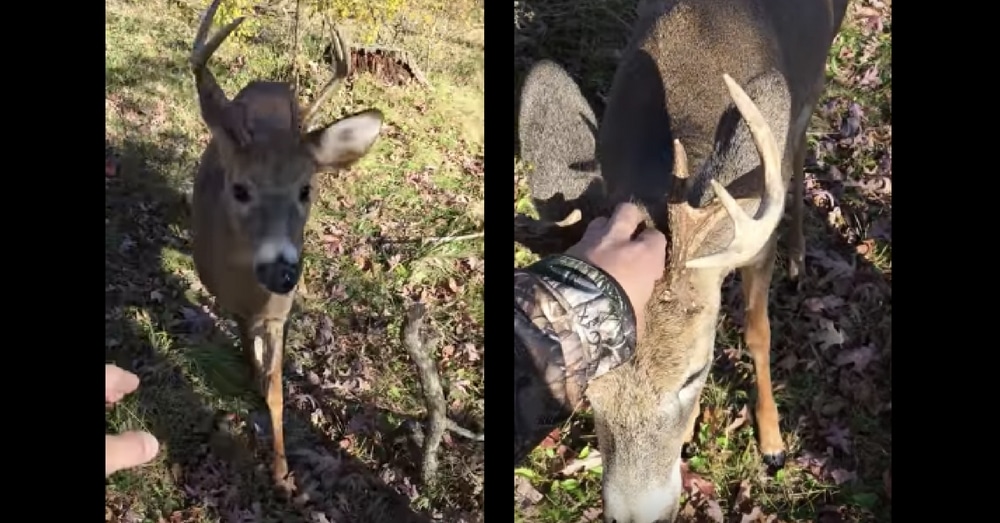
(263, 344)
(274, 395)
(797, 242)
(756, 284)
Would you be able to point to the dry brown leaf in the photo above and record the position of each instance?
(828, 334)
(525, 493)
(714, 511)
(694, 483)
(859, 357)
(590, 515)
(841, 476)
(739, 421)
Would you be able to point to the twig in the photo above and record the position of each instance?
(446, 239)
(591, 461)
(419, 346)
(295, 46)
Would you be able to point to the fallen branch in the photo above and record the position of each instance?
(463, 237)
(420, 347)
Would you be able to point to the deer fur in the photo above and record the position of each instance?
(727, 89)
(251, 200)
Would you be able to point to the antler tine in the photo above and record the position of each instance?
(203, 50)
(680, 172)
(680, 161)
(342, 69)
(211, 97)
(750, 235)
(544, 237)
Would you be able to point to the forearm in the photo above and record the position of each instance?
(571, 322)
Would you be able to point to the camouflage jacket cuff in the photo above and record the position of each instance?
(604, 321)
(572, 322)
(584, 314)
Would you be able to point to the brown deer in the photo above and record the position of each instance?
(252, 198)
(676, 101)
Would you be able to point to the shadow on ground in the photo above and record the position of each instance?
(831, 341)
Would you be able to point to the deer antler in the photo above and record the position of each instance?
(749, 234)
(545, 237)
(342, 69)
(211, 97)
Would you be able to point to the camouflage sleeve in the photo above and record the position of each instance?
(572, 323)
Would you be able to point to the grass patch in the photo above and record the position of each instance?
(834, 399)
(350, 388)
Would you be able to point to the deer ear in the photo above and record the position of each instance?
(345, 141)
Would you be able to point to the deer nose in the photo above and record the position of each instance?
(279, 276)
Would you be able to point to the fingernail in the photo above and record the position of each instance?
(150, 446)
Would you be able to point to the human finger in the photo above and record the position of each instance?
(654, 240)
(625, 220)
(596, 227)
(118, 382)
(127, 450)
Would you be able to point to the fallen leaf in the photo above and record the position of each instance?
(525, 493)
(859, 357)
(828, 334)
(841, 476)
(590, 515)
(817, 304)
(838, 436)
(552, 440)
(471, 352)
(739, 421)
(752, 517)
(743, 494)
(714, 511)
(694, 483)
(788, 362)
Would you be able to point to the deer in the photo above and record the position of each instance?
(252, 195)
(705, 129)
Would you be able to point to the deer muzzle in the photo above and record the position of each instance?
(278, 266)
(280, 276)
(651, 500)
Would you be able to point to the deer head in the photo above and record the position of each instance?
(269, 156)
(645, 409)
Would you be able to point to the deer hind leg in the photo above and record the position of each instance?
(756, 286)
(263, 343)
(797, 242)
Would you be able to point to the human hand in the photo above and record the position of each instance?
(635, 264)
(129, 449)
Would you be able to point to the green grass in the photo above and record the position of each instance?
(849, 259)
(350, 387)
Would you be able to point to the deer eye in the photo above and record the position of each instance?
(241, 193)
(304, 193)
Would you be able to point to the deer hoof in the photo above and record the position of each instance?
(775, 460)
